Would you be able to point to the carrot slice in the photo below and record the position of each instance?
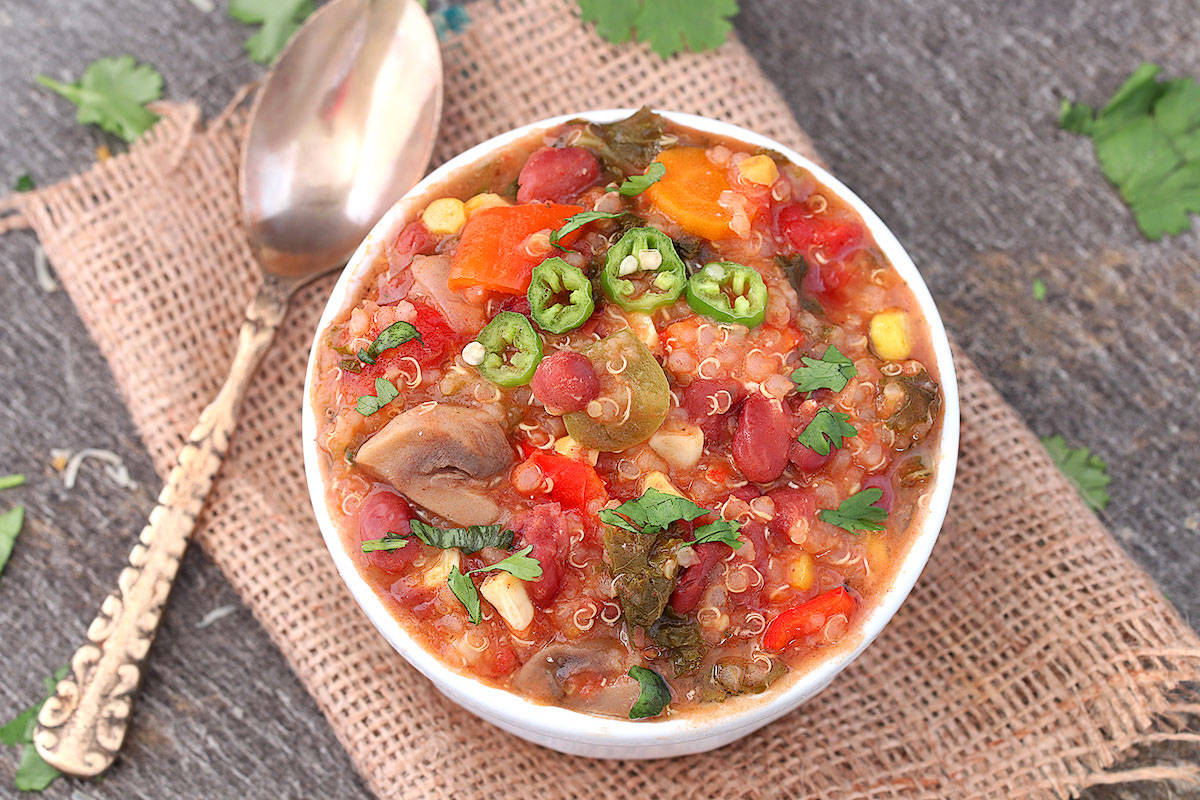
(491, 253)
(690, 190)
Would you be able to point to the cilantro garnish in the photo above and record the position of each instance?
(857, 512)
(667, 25)
(827, 428)
(11, 481)
(33, 773)
(1088, 472)
(1039, 290)
(636, 184)
(1147, 140)
(578, 221)
(724, 531)
(653, 696)
(279, 20)
(519, 565)
(832, 371)
(654, 511)
(113, 93)
(393, 335)
(385, 392)
(24, 183)
(10, 527)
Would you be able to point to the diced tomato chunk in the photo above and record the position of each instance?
(557, 174)
(808, 232)
(574, 484)
(709, 401)
(807, 618)
(438, 340)
(383, 512)
(791, 506)
(414, 239)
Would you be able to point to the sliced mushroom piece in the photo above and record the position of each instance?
(545, 675)
(439, 458)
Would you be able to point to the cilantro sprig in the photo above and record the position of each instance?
(10, 527)
(857, 512)
(113, 93)
(393, 335)
(279, 20)
(724, 531)
(578, 221)
(385, 392)
(827, 428)
(33, 773)
(24, 183)
(519, 565)
(1147, 140)
(653, 696)
(831, 371)
(1086, 471)
(470, 539)
(636, 184)
(668, 26)
(655, 511)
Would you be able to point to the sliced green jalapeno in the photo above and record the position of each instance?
(728, 292)
(642, 271)
(560, 296)
(512, 349)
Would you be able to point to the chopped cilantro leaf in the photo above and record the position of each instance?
(10, 527)
(113, 93)
(393, 335)
(827, 428)
(832, 371)
(33, 773)
(279, 20)
(652, 512)
(723, 530)
(1088, 472)
(654, 695)
(464, 589)
(385, 392)
(390, 541)
(519, 565)
(857, 512)
(578, 221)
(1039, 290)
(1147, 140)
(24, 183)
(636, 184)
(11, 481)
(667, 25)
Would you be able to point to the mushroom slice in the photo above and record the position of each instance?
(545, 676)
(439, 458)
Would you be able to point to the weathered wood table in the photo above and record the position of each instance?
(940, 113)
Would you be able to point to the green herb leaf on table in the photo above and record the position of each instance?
(24, 183)
(471, 539)
(1147, 140)
(826, 428)
(519, 565)
(724, 531)
(654, 511)
(113, 93)
(857, 512)
(385, 392)
(1039, 290)
(578, 221)
(654, 696)
(393, 335)
(279, 20)
(668, 26)
(10, 528)
(636, 184)
(832, 371)
(464, 589)
(11, 481)
(1088, 472)
(33, 773)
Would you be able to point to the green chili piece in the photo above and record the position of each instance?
(513, 349)
(728, 292)
(560, 296)
(642, 271)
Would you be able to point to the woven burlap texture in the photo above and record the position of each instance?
(1030, 657)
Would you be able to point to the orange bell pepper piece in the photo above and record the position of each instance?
(689, 192)
(490, 253)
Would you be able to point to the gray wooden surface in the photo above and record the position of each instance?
(941, 114)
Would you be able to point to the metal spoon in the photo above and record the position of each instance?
(344, 125)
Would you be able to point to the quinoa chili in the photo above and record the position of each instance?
(630, 419)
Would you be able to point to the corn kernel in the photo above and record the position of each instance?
(445, 216)
(570, 447)
(680, 448)
(889, 335)
(658, 480)
(508, 596)
(803, 572)
(437, 572)
(759, 169)
(484, 200)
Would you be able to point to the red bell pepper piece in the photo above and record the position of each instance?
(807, 618)
(574, 483)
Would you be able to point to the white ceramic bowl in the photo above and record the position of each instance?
(603, 737)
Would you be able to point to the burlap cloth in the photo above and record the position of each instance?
(1031, 656)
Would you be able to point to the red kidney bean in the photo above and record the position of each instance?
(805, 458)
(557, 174)
(542, 528)
(694, 580)
(884, 484)
(709, 401)
(760, 443)
(565, 382)
(791, 505)
(385, 511)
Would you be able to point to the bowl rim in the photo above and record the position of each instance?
(740, 715)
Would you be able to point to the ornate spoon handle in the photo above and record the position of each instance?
(82, 725)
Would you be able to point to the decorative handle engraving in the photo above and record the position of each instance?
(82, 725)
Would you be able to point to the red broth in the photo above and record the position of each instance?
(748, 348)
